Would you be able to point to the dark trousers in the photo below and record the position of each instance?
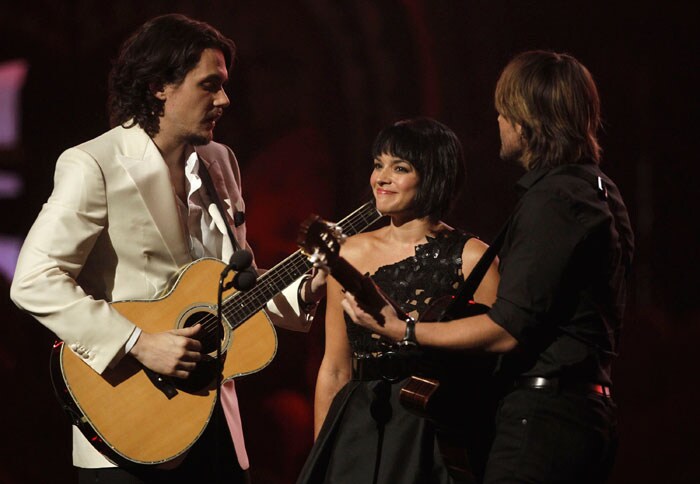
(212, 459)
(553, 436)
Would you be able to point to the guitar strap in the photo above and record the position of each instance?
(471, 283)
(226, 393)
(209, 185)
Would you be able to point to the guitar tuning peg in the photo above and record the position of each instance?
(318, 260)
(338, 234)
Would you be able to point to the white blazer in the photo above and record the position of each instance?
(108, 232)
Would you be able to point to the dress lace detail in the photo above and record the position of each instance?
(413, 283)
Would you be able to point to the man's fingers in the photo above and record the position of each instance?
(188, 331)
(192, 356)
(181, 374)
(358, 310)
(347, 306)
(187, 366)
(193, 344)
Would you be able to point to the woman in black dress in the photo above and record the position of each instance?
(363, 434)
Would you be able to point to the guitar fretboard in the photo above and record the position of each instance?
(241, 306)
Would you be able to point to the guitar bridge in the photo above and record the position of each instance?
(161, 383)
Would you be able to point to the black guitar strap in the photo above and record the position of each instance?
(471, 283)
(479, 271)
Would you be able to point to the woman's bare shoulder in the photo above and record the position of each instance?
(358, 246)
(473, 251)
(474, 248)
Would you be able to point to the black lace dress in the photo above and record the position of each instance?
(368, 436)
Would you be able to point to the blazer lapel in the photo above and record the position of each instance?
(152, 179)
(214, 169)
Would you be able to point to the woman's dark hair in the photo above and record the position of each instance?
(435, 152)
(161, 52)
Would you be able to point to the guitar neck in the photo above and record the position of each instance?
(363, 288)
(239, 307)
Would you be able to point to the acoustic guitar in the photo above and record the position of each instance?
(454, 396)
(133, 415)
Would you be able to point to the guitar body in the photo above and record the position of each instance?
(456, 399)
(132, 415)
(122, 412)
(424, 396)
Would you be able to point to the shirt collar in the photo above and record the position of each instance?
(529, 179)
(532, 177)
(191, 172)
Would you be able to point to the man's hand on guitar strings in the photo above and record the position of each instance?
(171, 353)
(385, 322)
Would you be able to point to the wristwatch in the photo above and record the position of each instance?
(409, 337)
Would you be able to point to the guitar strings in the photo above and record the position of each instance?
(238, 306)
(366, 214)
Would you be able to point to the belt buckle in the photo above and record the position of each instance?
(390, 366)
(539, 382)
(359, 366)
(602, 390)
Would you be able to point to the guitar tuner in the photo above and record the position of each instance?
(316, 257)
(338, 232)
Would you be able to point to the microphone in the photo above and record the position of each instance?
(240, 260)
(245, 279)
(246, 276)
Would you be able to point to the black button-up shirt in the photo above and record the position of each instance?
(563, 267)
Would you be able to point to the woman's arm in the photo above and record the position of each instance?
(486, 292)
(336, 368)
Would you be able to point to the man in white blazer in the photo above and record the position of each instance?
(128, 210)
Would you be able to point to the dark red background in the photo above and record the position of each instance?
(314, 82)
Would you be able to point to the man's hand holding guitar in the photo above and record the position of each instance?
(169, 353)
(385, 322)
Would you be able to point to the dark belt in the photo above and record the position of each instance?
(391, 367)
(538, 382)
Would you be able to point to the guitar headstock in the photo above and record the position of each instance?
(320, 240)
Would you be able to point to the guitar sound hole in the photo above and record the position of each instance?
(207, 369)
(202, 376)
(208, 333)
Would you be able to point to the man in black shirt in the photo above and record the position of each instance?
(566, 254)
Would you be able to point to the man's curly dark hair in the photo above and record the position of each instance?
(161, 52)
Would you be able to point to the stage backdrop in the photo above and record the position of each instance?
(314, 81)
